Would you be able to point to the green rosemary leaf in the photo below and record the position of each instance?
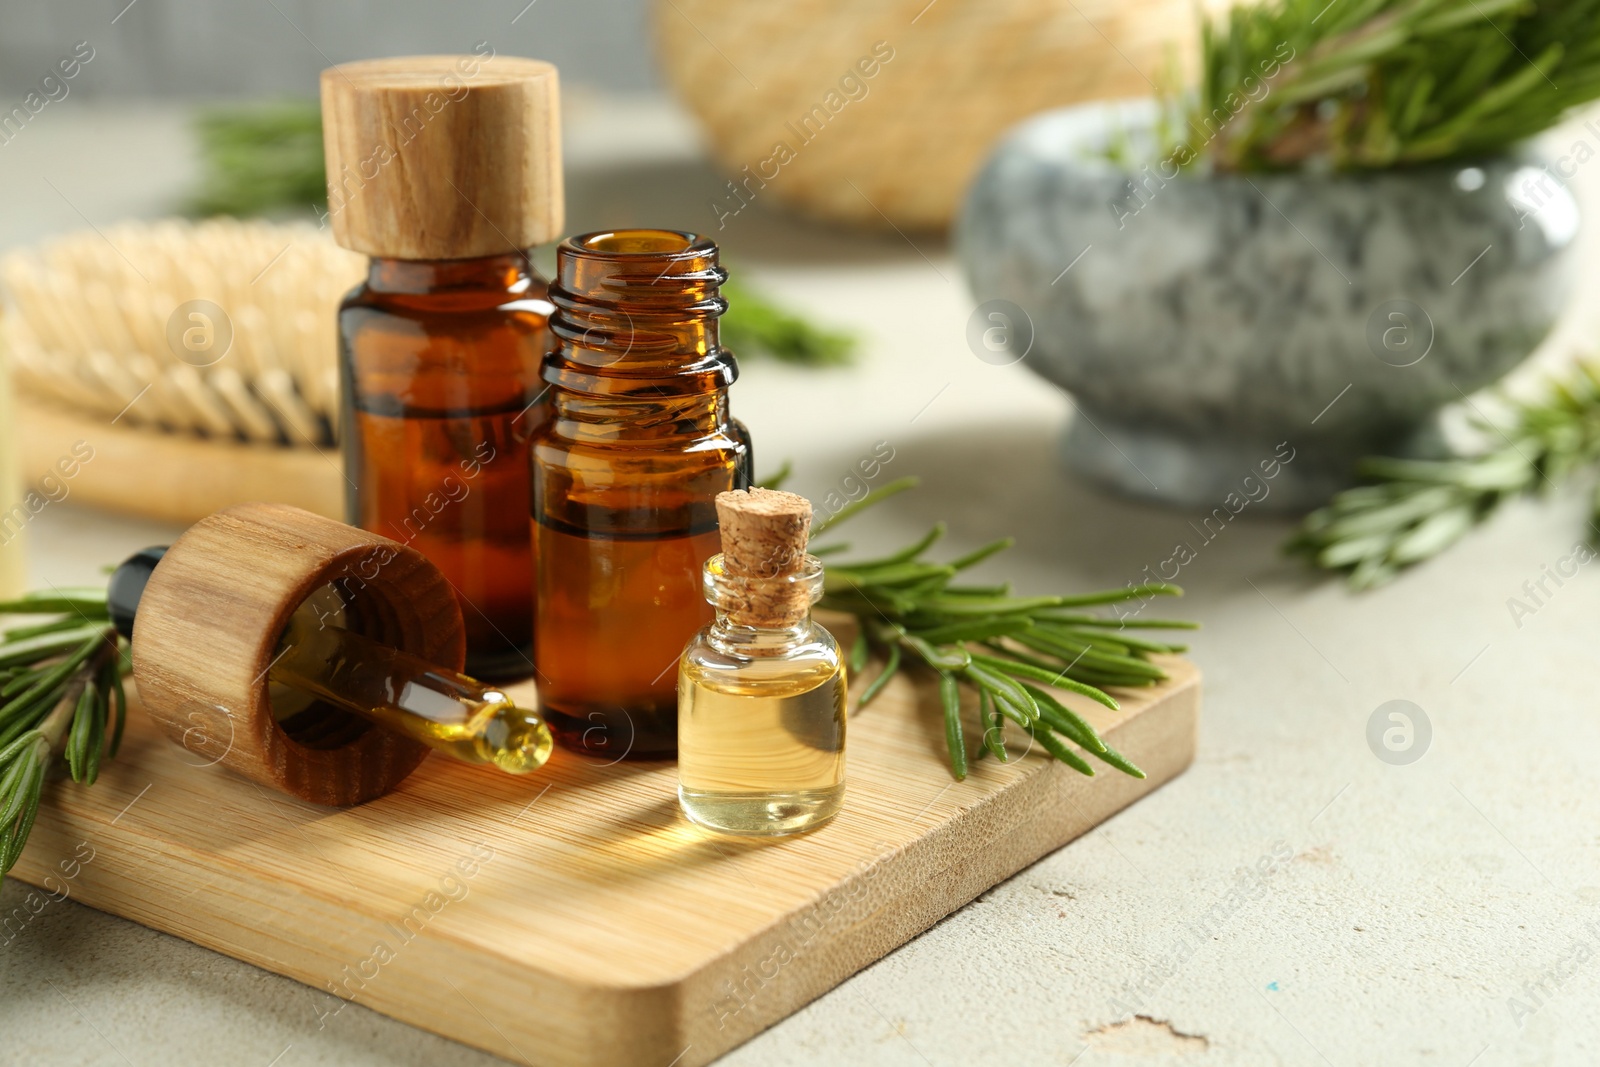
(259, 159)
(1113, 596)
(859, 650)
(1004, 589)
(950, 696)
(23, 793)
(905, 555)
(948, 658)
(1433, 534)
(1135, 644)
(1371, 573)
(1417, 508)
(9, 752)
(776, 479)
(755, 325)
(79, 734)
(61, 678)
(18, 682)
(1093, 639)
(876, 496)
(1348, 553)
(890, 666)
(34, 649)
(1120, 762)
(976, 630)
(97, 733)
(49, 680)
(1048, 677)
(1052, 744)
(14, 785)
(22, 721)
(1117, 623)
(114, 669)
(1079, 653)
(82, 600)
(994, 740)
(17, 633)
(1383, 83)
(958, 607)
(1009, 708)
(972, 559)
(1064, 719)
(1056, 666)
(893, 573)
(1005, 688)
(1108, 680)
(1507, 470)
(905, 604)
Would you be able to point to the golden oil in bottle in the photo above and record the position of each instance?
(761, 745)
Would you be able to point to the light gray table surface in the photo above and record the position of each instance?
(1445, 912)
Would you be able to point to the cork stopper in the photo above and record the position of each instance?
(442, 157)
(764, 534)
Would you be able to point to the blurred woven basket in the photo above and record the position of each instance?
(961, 72)
(88, 327)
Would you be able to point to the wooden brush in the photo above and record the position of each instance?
(88, 314)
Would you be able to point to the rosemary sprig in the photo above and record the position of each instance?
(1384, 83)
(60, 693)
(1414, 509)
(755, 325)
(1011, 649)
(259, 159)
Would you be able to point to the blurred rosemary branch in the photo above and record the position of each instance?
(267, 158)
(1011, 649)
(60, 694)
(259, 159)
(1383, 83)
(1413, 509)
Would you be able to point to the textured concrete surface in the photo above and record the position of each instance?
(1293, 899)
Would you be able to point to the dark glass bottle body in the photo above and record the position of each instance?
(439, 365)
(636, 444)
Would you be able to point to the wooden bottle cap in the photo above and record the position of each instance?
(764, 535)
(207, 631)
(442, 157)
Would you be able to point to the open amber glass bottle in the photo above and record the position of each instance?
(445, 169)
(636, 445)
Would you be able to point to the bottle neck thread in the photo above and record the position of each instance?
(636, 316)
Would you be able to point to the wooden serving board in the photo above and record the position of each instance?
(574, 917)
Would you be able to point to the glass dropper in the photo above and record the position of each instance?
(317, 658)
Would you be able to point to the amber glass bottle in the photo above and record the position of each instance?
(445, 169)
(440, 362)
(626, 469)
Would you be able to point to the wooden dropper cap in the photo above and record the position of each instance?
(207, 631)
(764, 535)
(442, 157)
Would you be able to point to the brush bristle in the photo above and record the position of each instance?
(89, 316)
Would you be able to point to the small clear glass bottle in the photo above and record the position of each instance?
(761, 705)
